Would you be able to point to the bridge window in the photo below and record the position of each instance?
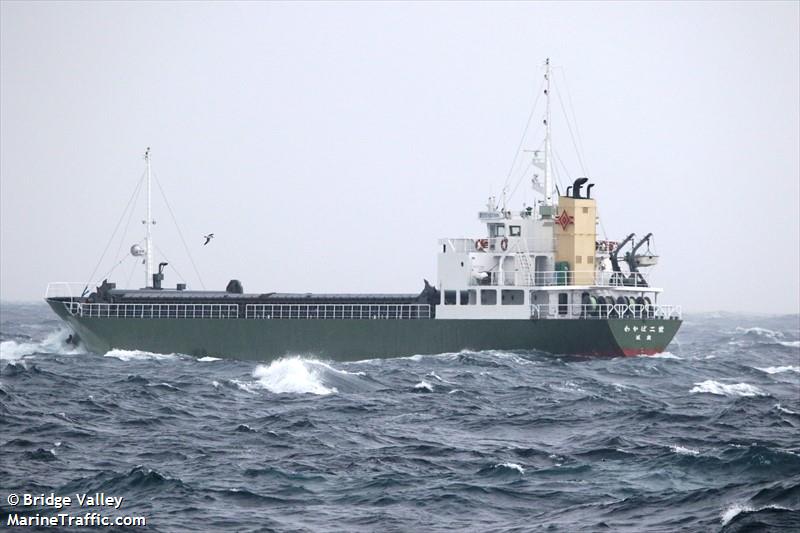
(497, 230)
(515, 231)
(513, 297)
(449, 297)
(488, 297)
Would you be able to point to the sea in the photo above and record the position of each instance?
(704, 437)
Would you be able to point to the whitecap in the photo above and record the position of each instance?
(731, 512)
(512, 466)
(136, 355)
(790, 344)
(723, 389)
(779, 369)
(666, 355)
(737, 508)
(439, 378)
(209, 359)
(760, 332)
(782, 409)
(293, 375)
(424, 385)
(682, 450)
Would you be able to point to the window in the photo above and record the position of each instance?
(497, 230)
(515, 231)
(449, 297)
(590, 259)
(563, 303)
(513, 297)
(463, 297)
(473, 296)
(585, 210)
(488, 297)
(578, 259)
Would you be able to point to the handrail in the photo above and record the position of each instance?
(128, 310)
(338, 311)
(606, 311)
(252, 311)
(551, 278)
(69, 289)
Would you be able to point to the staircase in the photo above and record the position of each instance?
(525, 268)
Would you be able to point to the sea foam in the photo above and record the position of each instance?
(666, 355)
(723, 389)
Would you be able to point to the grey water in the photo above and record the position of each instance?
(705, 437)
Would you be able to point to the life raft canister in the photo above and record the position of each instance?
(504, 244)
(481, 244)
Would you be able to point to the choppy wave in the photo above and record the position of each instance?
(477, 441)
(727, 389)
(737, 509)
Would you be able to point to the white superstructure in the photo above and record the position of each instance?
(544, 262)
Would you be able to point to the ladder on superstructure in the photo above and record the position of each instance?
(525, 268)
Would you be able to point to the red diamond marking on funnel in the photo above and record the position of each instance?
(565, 220)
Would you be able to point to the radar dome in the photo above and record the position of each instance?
(137, 251)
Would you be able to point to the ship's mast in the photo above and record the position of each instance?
(548, 157)
(148, 222)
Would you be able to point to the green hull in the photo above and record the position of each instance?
(353, 340)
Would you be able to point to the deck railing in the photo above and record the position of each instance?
(99, 310)
(552, 278)
(605, 311)
(252, 311)
(338, 311)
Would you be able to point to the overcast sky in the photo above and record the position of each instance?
(329, 145)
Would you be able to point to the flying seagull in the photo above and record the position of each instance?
(208, 238)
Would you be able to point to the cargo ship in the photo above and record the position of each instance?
(539, 278)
